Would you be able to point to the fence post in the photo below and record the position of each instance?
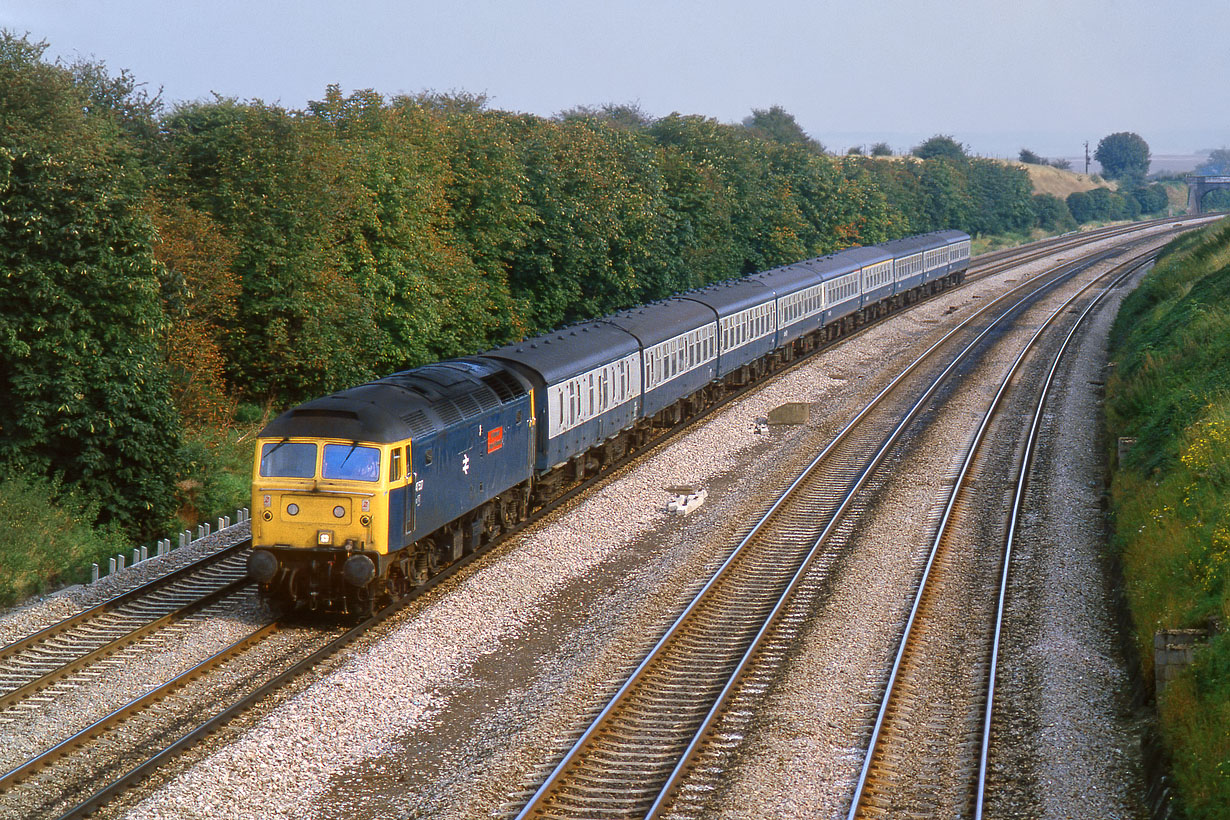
(94, 573)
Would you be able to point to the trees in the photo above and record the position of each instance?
(1002, 197)
(1123, 155)
(1030, 158)
(1052, 214)
(1217, 163)
(282, 191)
(86, 394)
(593, 196)
(778, 125)
(881, 149)
(1102, 204)
(199, 292)
(424, 239)
(764, 221)
(946, 201)
(941, 146)
(1151, 198)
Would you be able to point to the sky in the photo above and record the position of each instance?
(998, 75)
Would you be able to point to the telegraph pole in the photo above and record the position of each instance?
(1086, 157)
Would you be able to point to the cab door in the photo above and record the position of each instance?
(401, 483)
(408, 495)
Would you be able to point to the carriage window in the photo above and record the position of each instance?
(350, 462)
(284, 459)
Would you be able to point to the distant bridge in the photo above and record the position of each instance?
(1198, 186)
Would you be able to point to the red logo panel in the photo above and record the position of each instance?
(495, 439)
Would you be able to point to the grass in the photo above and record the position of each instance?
(1170, 497)
(48, 538)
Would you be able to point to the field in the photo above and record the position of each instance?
(1057, 182)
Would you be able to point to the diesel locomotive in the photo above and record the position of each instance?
(364, 494)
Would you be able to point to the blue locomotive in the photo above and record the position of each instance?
(367, 493)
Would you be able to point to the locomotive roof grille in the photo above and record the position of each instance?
(469, 406)
(505, 387)
(418, 422)
(449, 412)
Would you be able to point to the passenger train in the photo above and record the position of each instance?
(366, 493)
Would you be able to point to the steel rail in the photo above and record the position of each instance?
(117, 716)
(127, 639)
(107, 793)
(111, 604)
(138, 773)
(101, 797)
(1014, 517)
(545, 790)
(1017, 255)
(941, 530)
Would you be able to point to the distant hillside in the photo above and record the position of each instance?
(1060, 183)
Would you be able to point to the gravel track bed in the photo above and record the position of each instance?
(114, 753)
(1067, 734)
(70, 705)
(805, 749)
(40, 613)
(795, 764)
(446, 710)
(547, 623)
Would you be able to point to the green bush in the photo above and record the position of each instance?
(217, 475)
(48, 538)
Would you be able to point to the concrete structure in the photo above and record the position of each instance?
(1198, 186)
(1173, 650)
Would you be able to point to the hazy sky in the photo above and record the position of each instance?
(996, 74)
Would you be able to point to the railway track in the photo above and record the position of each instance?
(65, 641)
(632, 759)
(56, 653)
(926, 755)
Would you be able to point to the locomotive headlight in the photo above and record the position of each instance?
(292, 509)
(324, 538)
(339, 512)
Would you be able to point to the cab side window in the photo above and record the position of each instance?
(395, 465)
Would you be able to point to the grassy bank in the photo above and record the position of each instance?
(1171, 494)
(48, 534)
(48, 538)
